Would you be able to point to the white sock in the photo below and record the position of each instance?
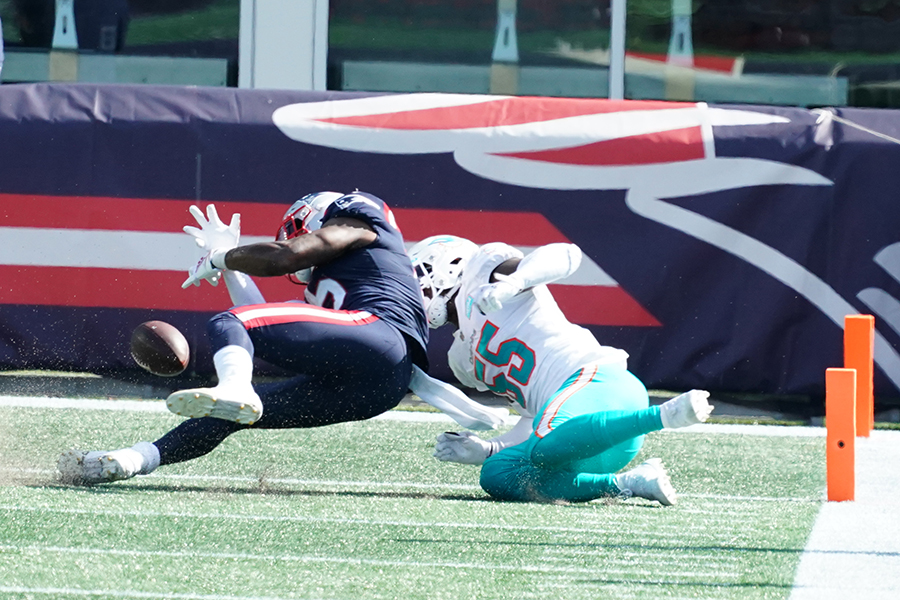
(149, 456)
(234, 367)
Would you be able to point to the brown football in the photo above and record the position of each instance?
(160, 348)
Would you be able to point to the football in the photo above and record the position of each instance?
(160, 348)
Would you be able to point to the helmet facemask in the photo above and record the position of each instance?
(439, 262)
(304, 216)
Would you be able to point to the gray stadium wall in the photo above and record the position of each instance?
(724, 244)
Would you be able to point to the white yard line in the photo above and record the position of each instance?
(307, 558)
(854, 548)
(650, 529)
(159, 406)
(35, 592)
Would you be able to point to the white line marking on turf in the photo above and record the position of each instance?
(156, 406)
(289, 481)
(853, 550)
(305, 558)
(73, 592)
(159, 406)
(652, 529)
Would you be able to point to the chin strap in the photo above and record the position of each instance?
(454, 403)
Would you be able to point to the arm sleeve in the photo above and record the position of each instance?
(515, 436)
(242, 288)
(547, 264)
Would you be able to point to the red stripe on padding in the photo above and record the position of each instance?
(120, 288)
(651, 148)
(501, 112)
(260, 315)
(259, 219)
(131, 214)
(601, 305)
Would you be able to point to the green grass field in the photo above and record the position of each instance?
(362, 510)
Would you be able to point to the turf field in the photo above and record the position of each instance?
(362, 510)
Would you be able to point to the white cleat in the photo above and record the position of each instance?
(648, 480)
(77, 467)
(687, 409)
(245, 408)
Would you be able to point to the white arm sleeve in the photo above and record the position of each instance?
(454, 403)
(242, 288)
(548, 263)
(515, 436)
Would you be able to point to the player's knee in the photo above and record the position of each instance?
(506, 476)
(226, 329)
(497, 479)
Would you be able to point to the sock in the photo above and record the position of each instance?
(234, 367)
(149, 454)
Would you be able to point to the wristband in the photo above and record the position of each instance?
(218, 255)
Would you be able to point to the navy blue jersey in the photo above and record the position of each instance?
(378, 278)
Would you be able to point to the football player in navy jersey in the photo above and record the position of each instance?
(353, 346)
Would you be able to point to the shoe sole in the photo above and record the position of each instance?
(195, 404)
(70, 468)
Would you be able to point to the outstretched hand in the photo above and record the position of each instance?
(213, 234)
(204, 269)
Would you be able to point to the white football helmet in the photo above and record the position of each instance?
(304, 216)
(439, 262)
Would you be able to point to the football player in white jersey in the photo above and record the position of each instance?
(583, 414)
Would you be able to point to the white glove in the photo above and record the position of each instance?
(204, 269)
(490, 298)
(464, 447)
(213, 234)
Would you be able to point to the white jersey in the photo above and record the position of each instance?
(526, 350)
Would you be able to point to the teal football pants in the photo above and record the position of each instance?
(593, 426)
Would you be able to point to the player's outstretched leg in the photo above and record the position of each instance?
(648, 480)
(687, 409)
(233, 399)
(78, 467)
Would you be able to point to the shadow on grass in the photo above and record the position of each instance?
(678, 549)
(261, 489)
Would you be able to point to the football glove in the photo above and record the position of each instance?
(204, 269)
(464, 447)
(491, 298)
(213, 234)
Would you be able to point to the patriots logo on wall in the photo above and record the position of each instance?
(651, 150)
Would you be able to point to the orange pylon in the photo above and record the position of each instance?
(840, 437)
(859, 350)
